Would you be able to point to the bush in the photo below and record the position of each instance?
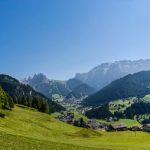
(2, 115)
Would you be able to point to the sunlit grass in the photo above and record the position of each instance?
(26, 129)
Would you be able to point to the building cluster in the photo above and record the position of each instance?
(69, 118)
(93, 124)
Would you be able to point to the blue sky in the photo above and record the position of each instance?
(62, 37)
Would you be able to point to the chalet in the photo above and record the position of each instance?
(103, 126)
(93, 124)
(92, 121)
(146, 128)
(118, 127)
(135, 128)
(66, 118)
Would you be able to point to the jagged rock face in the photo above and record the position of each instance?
(48, 87)
(36, 79)
(105, 73)
(51, 87)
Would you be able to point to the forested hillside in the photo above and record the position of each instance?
(81, 92)
(23, 94)
(131, 108)
(6, 102)
(137, 84)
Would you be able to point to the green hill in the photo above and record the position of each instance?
(24, 94)
(132, 108)
(27, 129)
(137, 84)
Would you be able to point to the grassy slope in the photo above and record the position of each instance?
(28, 129)
(128, 122)
(121, 104)
(76, 115)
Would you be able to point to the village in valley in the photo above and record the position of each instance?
(69, 118)
(109, 124)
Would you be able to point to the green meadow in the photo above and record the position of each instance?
(25, 129)
(128, 122)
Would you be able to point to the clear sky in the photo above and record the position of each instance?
(62, 37)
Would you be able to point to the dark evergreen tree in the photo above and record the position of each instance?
(24, 101)
(76, 123)
(15, 100)
(36, 103)
(11, 103)
(45, 107)
(29, 101)
(82, 123)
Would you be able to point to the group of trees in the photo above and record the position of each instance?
(139, 111)
(101, 112)
(18, 93)
(33, 101)
(6, 102)
(79, 122)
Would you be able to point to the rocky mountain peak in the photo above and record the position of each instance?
(105, 73)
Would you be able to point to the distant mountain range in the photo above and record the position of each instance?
(132, 85)
(105, 73)
(72, 88)
(83, 85)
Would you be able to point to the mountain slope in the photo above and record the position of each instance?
(104, 74)
(64, 88)
(28, 129)
(48, 87)
(73, 83)
(137, 84)
(81, 92)
(26, 95)
(14, 88)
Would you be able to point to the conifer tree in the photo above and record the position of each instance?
(24, 101)
(11, 103)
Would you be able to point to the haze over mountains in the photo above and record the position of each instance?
(72, 88)
(85, 84)
(105, 73)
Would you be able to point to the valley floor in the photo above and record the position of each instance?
(26, 129)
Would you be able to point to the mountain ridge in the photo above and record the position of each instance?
(64, 88)
(26, 95)
(105, 73)
(132, 85)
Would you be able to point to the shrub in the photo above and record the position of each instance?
(2, 115)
